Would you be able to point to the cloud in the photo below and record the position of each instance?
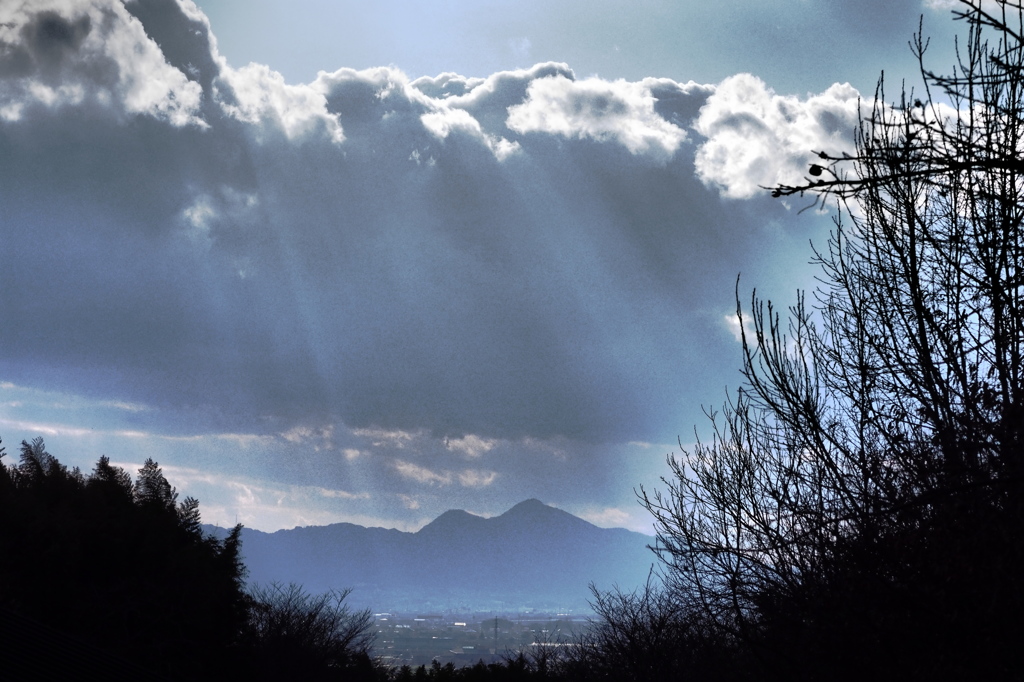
(520, 48)
(634, 518)
(87, 54)
(277, 481)
(319, 438)
(471, 445)
(991, 6)
(422, 474)
(471, 478)
(492, 260)
(756, 138)
(383, 438)
(257, 95)
(599, 110)
(733, 323)
(468, 478)
(343, 494)
(442, 122)
(229, 499)
(609, 517)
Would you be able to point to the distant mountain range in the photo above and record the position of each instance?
(532, 556)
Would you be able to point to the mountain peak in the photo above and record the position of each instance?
(533, 511)
(451, 519)
(531, 504)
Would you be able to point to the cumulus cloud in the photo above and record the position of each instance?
(257, 95)
(454, 291)
(599, 110)
(446, 85)
(756, 138)
(491, 260)
(56, 54)
(442, 122)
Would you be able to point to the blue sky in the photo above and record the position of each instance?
(338, 261)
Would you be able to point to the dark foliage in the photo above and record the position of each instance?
(120, 566)
(650, 633)
(516, 667)
(114, 576)
(292, 634)
(858, 511)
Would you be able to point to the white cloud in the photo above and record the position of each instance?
(225, 206)
(756, 138)
(342, 494)
(991, 6)
(422, 474)
(443, 121)
(447, 84)
(68, 53)
(409, 502)
(226, 500)
(258, 95)
(616, 517)
(600, 110)
(397, 438)
(319, 438)
(471, 445)
(471, 478)
(437, 103)
(732, 323)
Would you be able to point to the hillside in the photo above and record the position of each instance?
(532, 556)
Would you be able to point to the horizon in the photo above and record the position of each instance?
(427, 523)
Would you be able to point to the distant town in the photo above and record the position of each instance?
(464, 639)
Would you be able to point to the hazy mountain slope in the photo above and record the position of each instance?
(532, 556)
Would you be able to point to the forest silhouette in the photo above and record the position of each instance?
(104, 576)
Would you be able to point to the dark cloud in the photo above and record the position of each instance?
(47, 41)
(252, 255)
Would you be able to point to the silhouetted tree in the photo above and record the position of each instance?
(646, 634)
(118, 565)
(292, 634)
(855, 512)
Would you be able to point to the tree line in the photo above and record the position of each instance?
(119, 571)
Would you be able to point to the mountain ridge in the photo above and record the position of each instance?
(531, 556)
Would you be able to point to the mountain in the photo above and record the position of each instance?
(532, 556)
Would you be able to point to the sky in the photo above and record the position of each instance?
(336, 261)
